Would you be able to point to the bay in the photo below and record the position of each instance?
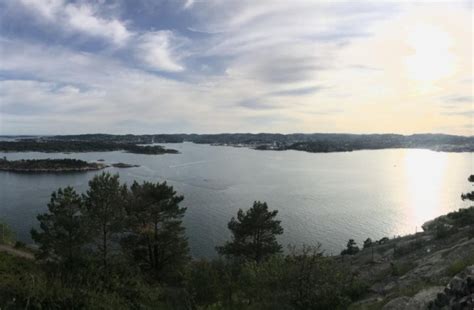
(322, 198)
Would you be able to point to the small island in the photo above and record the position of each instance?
(48, 165)
(79, 146)
(123, 165)
(148, 149)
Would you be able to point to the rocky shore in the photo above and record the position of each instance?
(432, 269)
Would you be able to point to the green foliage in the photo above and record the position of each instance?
(253, 234)
(63, 232)
(7, 236)
(463, 217)
(408, 248)
(303, 279)
(459, 265)
(82, 266)
(401, 268)
(351, 249)
(156, 237)
(443, 230)
(26, 285)
(105, 213)
(469, 196)
(368, 243)
(204, 282)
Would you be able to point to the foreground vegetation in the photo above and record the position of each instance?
(124, 247)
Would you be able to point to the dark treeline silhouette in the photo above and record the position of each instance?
(66, 164)
(60, 146)
(315, 142)
(124, 247)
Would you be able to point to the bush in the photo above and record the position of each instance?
(7, 236)
(459, 265)
(444, 230)
(408, 248)
(20, 245)
(402, 268)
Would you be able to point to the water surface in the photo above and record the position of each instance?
(326, 198)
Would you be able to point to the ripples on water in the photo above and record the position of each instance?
(326, 198)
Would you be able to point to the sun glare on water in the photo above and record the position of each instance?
(424, 172)
(432, 58)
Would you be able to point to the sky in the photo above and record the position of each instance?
(210, 66)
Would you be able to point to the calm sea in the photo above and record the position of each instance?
(321, 198)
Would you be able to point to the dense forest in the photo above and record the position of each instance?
(124, 247)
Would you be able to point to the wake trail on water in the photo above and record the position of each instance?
(190, 164)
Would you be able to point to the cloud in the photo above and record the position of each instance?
(214, 66)
(254, 104)
(79, 17)
(458, 99)
(466, 113)
(364, 68)
(188, 4)
(302, 91)
(158, 50)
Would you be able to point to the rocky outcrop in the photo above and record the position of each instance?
(458, 294)
(422, 300)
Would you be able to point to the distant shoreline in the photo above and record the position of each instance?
(313, 143)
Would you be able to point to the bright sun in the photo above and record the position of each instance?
(432, 58)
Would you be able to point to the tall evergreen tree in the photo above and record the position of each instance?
(156, 240)
(105, 214)
(62, 232)
(253, 234)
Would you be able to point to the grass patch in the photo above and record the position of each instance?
(459, 265)
(413, 289)
(400, 269)
(408, 248)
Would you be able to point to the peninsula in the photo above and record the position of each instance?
(49, 165)
(48, 145)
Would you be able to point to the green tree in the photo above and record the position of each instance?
(62, 233)
(253, 234)
(368, 243)
(351, 249)
(105, 214)
(204, 283)
(156, 239)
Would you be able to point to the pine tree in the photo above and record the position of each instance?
(105, 214)
(156, 240)
(253, 234)
(62, 234)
